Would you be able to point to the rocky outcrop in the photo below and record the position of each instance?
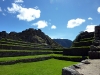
(32, 36)
(71, 70)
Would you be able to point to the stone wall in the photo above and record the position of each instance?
(94, 52)
(97, 33)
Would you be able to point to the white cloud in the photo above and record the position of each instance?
(15, 8)
(98, 9)
(90, 28)
(75, 22)
(36, 7)
(18, 1)
(53, 27)
(61, 38)
(27, 14)
(58, 35)
(3, 0)
(0, 9)
(41, 24)
(90, 18)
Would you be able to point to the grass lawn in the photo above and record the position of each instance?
(34, 56)
(47, 67)
(21, 57)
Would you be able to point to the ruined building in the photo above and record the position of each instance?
(94, 52)
(97, 33)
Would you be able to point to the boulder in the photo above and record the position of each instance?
(78, 66)
(85, 62)
(70, 71)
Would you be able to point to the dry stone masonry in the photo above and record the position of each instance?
(72, 70)
(94, 52)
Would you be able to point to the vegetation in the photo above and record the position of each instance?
(21, 57)
(47, 67)
(84, 35)
(34, 46)
(6, 59)
(28, 39)
(10, 53)
(64, 42)
(83, 39)
(81, 44)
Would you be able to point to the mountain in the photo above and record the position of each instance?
(64, 42)
(31, 36)
(81, 45)
(83, 39)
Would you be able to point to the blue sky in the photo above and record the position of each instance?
(56, 18)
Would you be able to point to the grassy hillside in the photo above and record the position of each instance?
(31, 52)
(64, 42)
(27, 39)
(46, 67)
(81, 44)
(83, 39)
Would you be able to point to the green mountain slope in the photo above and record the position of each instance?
(27, 39)
(64, 42)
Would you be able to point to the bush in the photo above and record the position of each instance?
(20, 53)
(78, 59)
(82, 43)
(25, 60)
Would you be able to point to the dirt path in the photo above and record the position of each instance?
(90, 69)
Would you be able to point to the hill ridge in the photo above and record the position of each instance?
(30, 36)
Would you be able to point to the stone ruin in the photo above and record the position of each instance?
(72, 70)
(94, 52)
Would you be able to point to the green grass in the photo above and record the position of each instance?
(30, 50)
(85, 39)
(21, 57)
(80, 47)
(27, 50)
(47, 67)
(35, 56)
(60, 55)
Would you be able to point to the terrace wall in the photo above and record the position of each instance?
(76, 51)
